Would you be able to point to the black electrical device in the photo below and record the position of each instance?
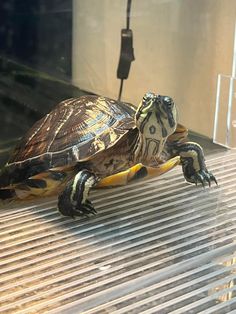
(126, 51)
(126, 54)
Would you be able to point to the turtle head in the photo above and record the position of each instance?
(156, 116)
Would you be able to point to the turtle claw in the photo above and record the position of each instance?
(208, 181)
(202, 176)
(213, 178)
(76, 209)
(84, 210)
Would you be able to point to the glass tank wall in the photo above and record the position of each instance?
(52, 50)
(35, 63)
(180, 47)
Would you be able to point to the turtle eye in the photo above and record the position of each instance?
(168, 101)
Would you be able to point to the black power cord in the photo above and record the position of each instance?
(126, 51)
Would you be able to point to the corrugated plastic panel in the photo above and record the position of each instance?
(159, 246)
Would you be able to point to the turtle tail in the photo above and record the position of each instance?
(7, 194)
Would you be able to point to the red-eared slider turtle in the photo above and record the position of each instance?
(96, 141)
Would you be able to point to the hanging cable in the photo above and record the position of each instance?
(128, 13)
(121, 89)
(126, 51)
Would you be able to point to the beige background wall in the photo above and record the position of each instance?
(180, 46)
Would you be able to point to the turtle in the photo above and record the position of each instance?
(94, 141)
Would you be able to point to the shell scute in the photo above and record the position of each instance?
(76, 130)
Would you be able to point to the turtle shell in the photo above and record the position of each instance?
(76, 130)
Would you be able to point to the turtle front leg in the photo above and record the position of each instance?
(193, 163)
(73, 201)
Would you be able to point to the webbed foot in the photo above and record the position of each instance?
(193, 164)
(202, 176)
(82, 210)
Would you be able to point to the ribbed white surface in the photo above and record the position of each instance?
(160, 246)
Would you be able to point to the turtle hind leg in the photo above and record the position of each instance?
(137, 172)
(73, 201)
(43, 184)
